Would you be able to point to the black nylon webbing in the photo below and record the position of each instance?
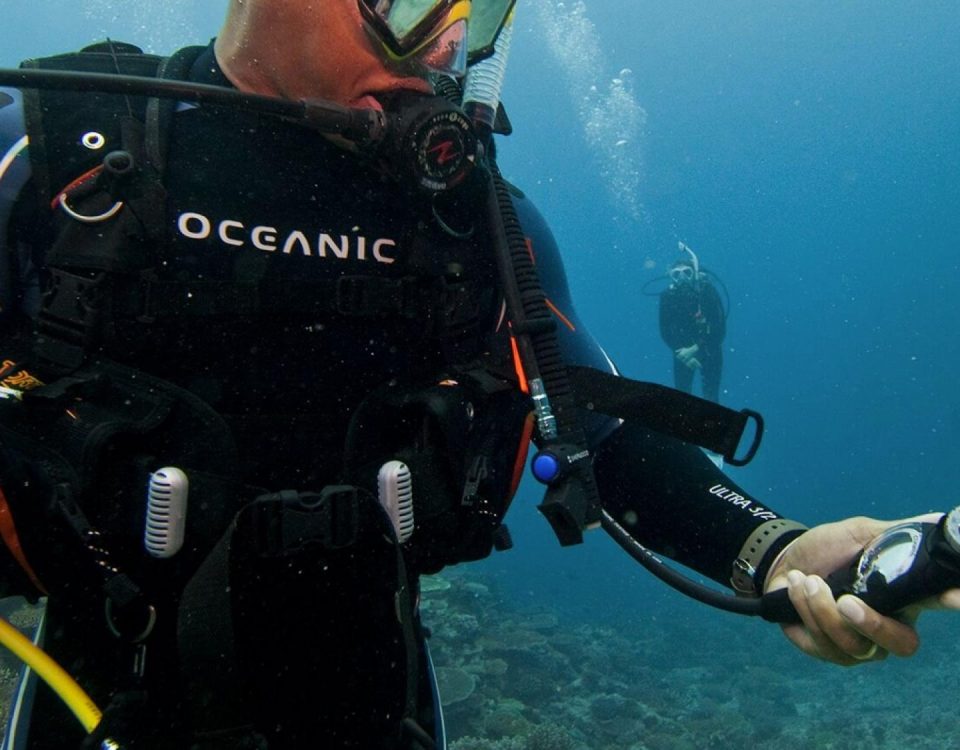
(207, 644)
(662, 409)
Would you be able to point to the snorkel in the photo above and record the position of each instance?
(684, 248)
(484, 82)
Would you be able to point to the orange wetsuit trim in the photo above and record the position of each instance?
(518, 366)
(8, 532)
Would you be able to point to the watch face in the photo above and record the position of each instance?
(890, 555)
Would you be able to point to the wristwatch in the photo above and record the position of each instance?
(758, 553)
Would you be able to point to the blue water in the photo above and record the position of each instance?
(809, 152)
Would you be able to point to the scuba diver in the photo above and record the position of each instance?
(273, 346)
(693, 323)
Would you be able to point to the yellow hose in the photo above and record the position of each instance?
(53, 674)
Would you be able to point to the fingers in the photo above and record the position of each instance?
(950, 599)
(845, 633)
(892, 635)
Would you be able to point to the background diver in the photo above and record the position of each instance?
(693, 323)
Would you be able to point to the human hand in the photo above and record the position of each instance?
(686, 355)
(844, 631)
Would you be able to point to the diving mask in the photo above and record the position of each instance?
(434, 32)
(682, 274)
(431, 32)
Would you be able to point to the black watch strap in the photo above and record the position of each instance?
(764, 542)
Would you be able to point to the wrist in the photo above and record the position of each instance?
(759, 553)
(765, 576)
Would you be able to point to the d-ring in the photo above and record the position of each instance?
(94, 219)
(147, 628)
(869, 654)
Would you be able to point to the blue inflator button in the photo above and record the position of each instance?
(545, 467)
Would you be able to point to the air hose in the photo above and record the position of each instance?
(53, 674)
(571, 502)
(362, 126)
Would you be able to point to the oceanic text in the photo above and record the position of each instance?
(196, 226)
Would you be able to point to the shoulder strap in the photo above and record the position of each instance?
(57, 121)
(160, 111)
(103, 155)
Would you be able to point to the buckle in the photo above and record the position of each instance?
(743, 578)
(288, 522)
(471, 488)
(72, 303)
(69, 318)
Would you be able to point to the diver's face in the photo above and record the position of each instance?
(308, 49)
(346, 64)
(682, 275)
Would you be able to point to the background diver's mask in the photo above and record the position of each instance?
(682, 274)
(434, 33)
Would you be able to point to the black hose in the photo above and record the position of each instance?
(683, 584)
(361, 126)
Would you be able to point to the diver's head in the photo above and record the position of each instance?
(682, 274)
(351, 51)
(321, 50)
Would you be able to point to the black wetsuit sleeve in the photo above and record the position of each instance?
(673, 499)
(666, 493)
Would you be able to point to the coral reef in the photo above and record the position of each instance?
(549, 737)
(522, 678)
(455, 684)
(479, 743)
(664, 682)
